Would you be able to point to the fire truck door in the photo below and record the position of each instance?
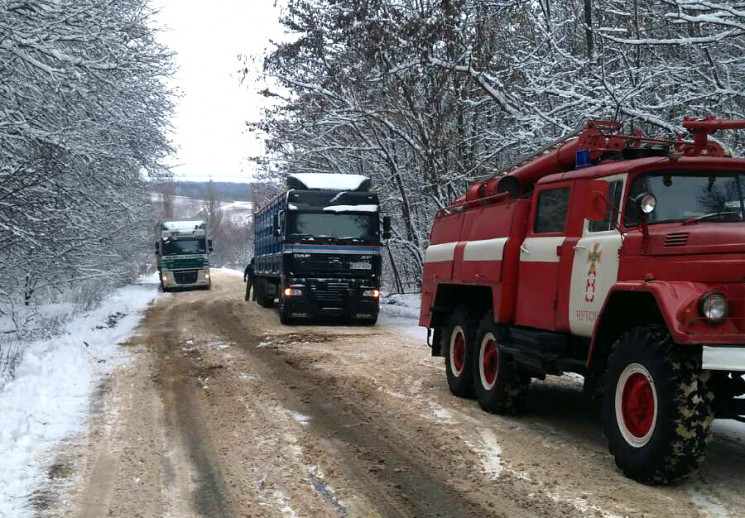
(596, 262)
(537, 296)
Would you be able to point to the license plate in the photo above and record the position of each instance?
(360, 266)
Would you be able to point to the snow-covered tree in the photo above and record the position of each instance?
(83, 119)
(426, 96)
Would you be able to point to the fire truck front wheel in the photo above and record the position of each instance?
(458, 346)
(657, 408)
(500, 386)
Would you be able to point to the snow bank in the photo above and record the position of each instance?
(401, 312)
(50, 397)
(352, 208)
(333, 182)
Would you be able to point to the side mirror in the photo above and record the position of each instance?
(646, 204)
(386, 227)
(157, 248)
(209, 245)
(597, 202)
(276, 228)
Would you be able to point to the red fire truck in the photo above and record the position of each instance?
(616, 256)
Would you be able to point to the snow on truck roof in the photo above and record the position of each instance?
(182, 225)
(328, 182)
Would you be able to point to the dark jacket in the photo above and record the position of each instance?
(248, 273)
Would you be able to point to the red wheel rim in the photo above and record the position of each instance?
(490, 362)
(458, 352)
(637, 405)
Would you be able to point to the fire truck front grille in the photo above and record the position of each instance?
(330, 292)
(186, 276)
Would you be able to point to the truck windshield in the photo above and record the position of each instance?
(184, 246)
(712, 196)
(315, 226)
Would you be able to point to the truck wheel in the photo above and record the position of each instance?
(261, 297)
(500, 386)
(284, 316)
(657, 409)
(458, 348)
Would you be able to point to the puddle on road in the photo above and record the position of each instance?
(317, 482)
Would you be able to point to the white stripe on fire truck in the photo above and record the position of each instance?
(485, 249)
(540, 249)
(440, 253)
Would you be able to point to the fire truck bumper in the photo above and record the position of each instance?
(723, 358)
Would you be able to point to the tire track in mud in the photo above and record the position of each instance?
(385, 465)
(177, 389)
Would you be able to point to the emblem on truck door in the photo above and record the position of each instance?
(593, 256)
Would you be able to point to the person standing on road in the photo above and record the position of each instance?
(248, 278)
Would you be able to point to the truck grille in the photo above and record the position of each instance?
(186, 276)
(330, 292)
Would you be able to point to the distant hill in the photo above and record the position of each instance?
(226, 191)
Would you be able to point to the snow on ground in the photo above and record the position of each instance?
(49, 399)
(402, 313)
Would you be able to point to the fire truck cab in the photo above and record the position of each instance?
(618, 257)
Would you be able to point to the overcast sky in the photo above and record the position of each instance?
(209, 123)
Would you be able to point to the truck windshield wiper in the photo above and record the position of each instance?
(691, 221)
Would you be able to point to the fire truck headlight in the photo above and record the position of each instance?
(293, 292)
(165, 278)
(713, 307)
(371, 293)
(207, 276)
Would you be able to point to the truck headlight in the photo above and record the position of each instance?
(371, 293)
(293, 292)
(165, 277)
(713, 307)
(207, 276)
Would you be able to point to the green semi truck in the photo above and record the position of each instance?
(182, 250)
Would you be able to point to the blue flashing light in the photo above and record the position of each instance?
(583, 158)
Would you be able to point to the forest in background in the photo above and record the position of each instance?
(426, 96)
(84, 111)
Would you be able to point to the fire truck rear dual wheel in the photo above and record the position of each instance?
(657, 408)
(458, 340)
(500, 386)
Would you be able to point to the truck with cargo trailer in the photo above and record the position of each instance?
(182, 250)
(616, 256)
(318, 249)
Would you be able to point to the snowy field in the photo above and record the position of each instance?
(49, 399)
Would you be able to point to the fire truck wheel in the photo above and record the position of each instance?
(458, 347)
(657, 408)
(500, 386)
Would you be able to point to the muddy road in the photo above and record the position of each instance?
(224, 412)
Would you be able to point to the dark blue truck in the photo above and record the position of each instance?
(318, 248)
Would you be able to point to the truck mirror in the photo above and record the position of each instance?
(597, 205)
(209, 245)
(157, 248)
(386, 227)
(276, 229)
(645, 204)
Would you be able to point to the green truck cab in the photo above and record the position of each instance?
(182, 252)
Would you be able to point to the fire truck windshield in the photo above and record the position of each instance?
(324, 226)
(184, 246)
(690, 196)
